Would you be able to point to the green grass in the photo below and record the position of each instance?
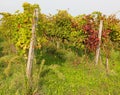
(60, 75)
(82, 80)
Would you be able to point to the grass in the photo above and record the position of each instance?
(82, 80)
(60, 75)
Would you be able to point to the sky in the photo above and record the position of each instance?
(74, 7)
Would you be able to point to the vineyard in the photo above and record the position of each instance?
(65, 52)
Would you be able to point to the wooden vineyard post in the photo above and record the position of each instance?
(98, 48)
(107, 65)
(32, 44)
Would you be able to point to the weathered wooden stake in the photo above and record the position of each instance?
(32, 44)
(98, 48)
(107, 65)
